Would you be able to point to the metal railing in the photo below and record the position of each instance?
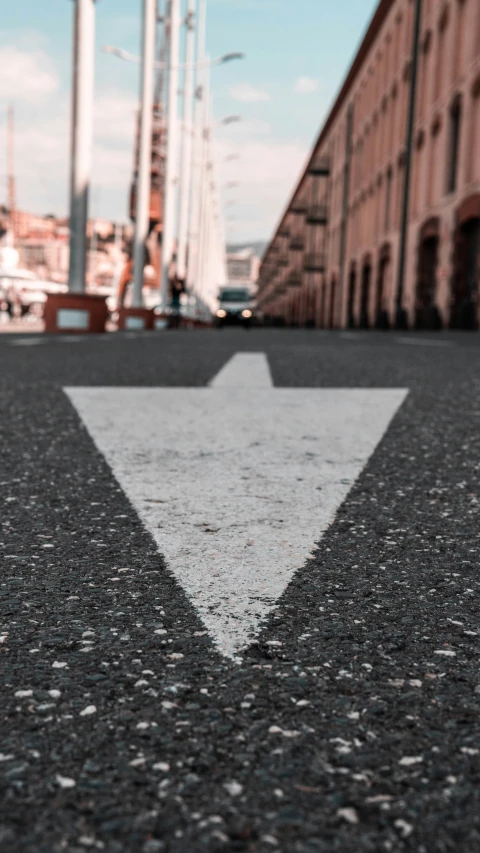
(297, 244)
(295, 279)
(320, 166)
(314, 262)
(317, 214)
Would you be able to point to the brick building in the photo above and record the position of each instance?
(335, 259)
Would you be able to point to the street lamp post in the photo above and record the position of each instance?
(191, 168)
(186, 168)
(197, 154)
(230, 119)
(81, 141)
(145, 149)
(205, 169)
(161, 66)
(168, 232)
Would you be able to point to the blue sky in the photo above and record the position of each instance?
(297, 54)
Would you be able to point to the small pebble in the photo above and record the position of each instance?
(408, 760)
(65, 781)
(348, 814)
(403, 827)
(233, 788)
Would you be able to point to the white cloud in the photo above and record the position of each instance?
(42, 156)
(247, 94)
(306, 86)
(115, 116)
(26, 75)
(266, 173)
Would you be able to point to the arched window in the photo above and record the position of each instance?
(440, 76)
(388, 199)
(399, 191)
(474, 158)
(432, 183)
(459, 46)
(396, 49)
(424, 92)
(454, 144)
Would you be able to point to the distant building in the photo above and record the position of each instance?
(103, 228)
(43, 246)
(47, 258)
(243, 266)
(334, 258)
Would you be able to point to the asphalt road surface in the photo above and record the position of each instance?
(134, 715)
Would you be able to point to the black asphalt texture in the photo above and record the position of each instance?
(352, 725)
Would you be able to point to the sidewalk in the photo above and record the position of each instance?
(23, 325)
(20, 324)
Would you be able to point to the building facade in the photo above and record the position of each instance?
(335, 258)
(243, 266)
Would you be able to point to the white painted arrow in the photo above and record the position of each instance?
(236, 482)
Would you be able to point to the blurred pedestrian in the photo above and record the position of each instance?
(176, 292)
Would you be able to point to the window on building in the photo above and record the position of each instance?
(424, 76)
(418, 182)
(459, 63)
(455, 124)
(474, 158)
(378, 212)
(476, 26)
(388, 57)
(398, 195)
(432, 166)
(388, 199)
(408, 30)
(378, 73)
(441, 66)
(397, 36)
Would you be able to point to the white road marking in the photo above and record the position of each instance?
(353, 336)
(423, 342)
(26, 342)
(236, 485)
(244, 370)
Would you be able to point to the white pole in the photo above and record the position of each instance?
(93, 251)
(197, 155)
(202, 229)
(219, 230)
(142, 212)
(118, 260)
(168, 232)
(203, 195)
(81, 140)
(186, 168)
(208, 251)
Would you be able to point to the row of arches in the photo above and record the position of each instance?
(365, 280)
(461, 311)
(369, 297)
